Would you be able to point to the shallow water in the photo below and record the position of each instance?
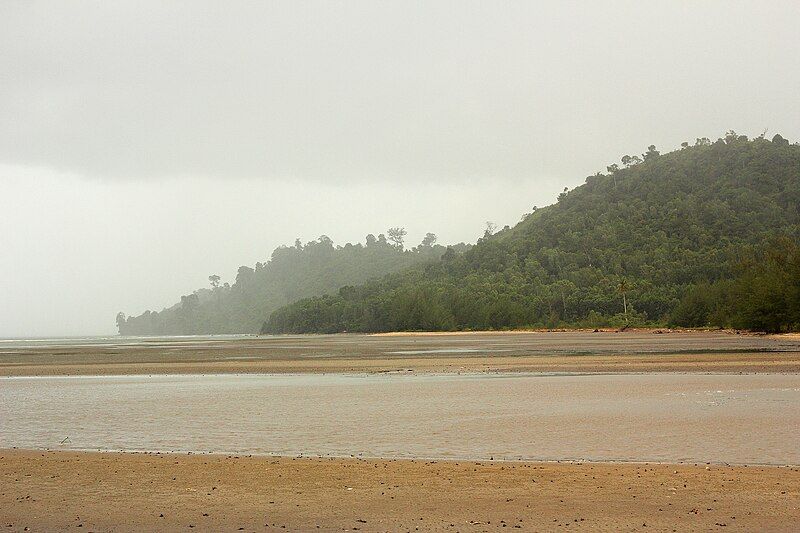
(662, 417)
(98, 341)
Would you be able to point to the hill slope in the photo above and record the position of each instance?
(629, 246)
(293, 272)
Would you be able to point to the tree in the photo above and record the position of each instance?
(561, 290)
(214, 279)
(490, 227)
(613, 169)
(120, 322)
(429, 240)
(622, 288)
(777, 139)
(397, 235)
(651, 153)
(731, 136)
(631, 160)
(244, 275)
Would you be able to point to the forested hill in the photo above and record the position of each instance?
(293, 272)
(689, 237)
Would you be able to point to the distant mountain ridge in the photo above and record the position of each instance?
(630, 246)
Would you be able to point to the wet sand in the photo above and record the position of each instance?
(722, 418)
(59, 490)
(635, 351)
(140, 492)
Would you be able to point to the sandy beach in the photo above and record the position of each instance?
(736, 363)
(103, 491)
(138, 492)
(633, 351)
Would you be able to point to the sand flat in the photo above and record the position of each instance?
(131, 492)
(634, 351)
(58, 490)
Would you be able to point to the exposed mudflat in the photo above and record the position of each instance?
(632, 351)
(673, 396)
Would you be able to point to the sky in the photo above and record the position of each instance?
(146, 145)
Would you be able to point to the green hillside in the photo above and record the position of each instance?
(293, 272)
(635, 245)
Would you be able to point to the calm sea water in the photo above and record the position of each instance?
(658, 417)
(113, 340)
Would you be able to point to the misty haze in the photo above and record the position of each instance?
(399, 265)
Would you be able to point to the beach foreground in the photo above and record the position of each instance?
(46, 490)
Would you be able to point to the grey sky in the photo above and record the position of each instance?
(144, 146)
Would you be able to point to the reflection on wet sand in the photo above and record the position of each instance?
(658, 417)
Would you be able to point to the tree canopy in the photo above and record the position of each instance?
(293, 272)
(676, 238)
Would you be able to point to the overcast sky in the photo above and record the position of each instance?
(144, 146)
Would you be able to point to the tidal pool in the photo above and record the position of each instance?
(750, 419)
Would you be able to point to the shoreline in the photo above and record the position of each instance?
(149, 491)
(646, 330)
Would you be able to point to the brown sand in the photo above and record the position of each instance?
(635, 351)
(715, 363)
(130, 492)
(146, 492)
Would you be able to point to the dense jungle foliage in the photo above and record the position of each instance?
(702, 236)
(293, 272)
(764, 295)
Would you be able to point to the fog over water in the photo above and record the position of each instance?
(145, 146)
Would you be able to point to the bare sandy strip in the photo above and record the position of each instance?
(710, 363)
(147, 492)
(635, 351)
